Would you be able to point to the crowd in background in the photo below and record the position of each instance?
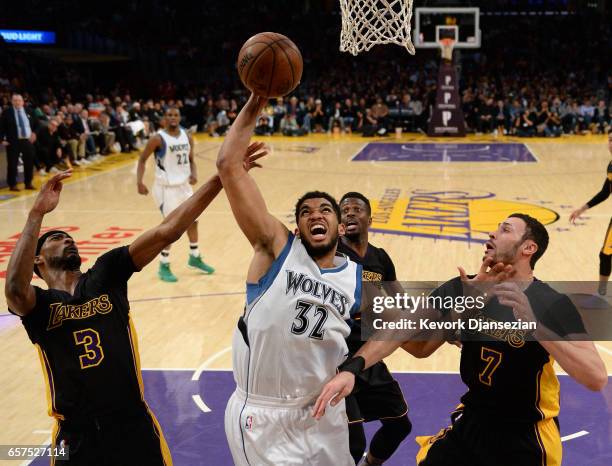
(540, 85)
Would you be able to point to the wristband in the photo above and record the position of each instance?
(354, 365)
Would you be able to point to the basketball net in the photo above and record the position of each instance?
(446, 48)
(366, 23)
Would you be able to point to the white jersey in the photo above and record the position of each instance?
(292, 336)
(172, 165)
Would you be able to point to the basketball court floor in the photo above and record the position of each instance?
(433, 203)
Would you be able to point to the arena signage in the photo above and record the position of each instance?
(27, 37)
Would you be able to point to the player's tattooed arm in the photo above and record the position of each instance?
(266, 234)
(153, 144)
(20, 294)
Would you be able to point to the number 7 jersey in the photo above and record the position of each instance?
(291, 337)
(172, 159)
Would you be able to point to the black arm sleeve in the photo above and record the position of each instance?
(601, 195)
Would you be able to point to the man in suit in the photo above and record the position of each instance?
(18, 134)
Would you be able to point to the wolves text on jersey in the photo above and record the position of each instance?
(301, 282)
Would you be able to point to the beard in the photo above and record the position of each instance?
(70, 262)
(319, 251)
(353, 237)
(508, 256)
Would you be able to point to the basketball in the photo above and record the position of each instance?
(270, 64)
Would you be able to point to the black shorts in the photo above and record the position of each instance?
(471, 440)
(377, 395)
(120, 441)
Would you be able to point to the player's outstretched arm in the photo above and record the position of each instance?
(601, 196)
(19, 292)
(153, 144)
(576, 356)
(581, 361)
(148, 245)
(265, 233)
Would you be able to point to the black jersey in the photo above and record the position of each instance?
(606, 189)
(87, 343)
(377, 267)
(508, 376)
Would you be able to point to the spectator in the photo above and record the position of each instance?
(17, 133)
(49, 149)
(263, 127)
(601, 117)
(335, 118)
(289, 126)
(70, 137)
(318, 117)
(485, 118)
(380, 113)
(501, 118)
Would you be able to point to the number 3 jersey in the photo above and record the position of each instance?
(87, 343)
(292, 336)
(172, 159)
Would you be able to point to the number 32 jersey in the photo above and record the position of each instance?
(87, 343)
(172, 159)
(292, 336)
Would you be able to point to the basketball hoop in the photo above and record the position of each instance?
(446, 46)
(366, 23)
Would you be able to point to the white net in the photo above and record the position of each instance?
(366, 23)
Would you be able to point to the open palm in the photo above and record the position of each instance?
(49, 194)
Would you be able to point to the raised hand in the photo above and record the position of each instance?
(255, 151)
(488, 276)
(49, 194)
(511, 295)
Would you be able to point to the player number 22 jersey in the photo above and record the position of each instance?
(172, 159)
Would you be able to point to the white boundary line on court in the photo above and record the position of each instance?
(88, 177)
(350, 159)
(45, 444)
(531, 151)
(582, 433)
(197, 399)
(604, 349)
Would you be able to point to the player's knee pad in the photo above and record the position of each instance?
(389, 436)
(605, 264)
(357, 440)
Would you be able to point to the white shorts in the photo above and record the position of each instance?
(260, 432)
(168, 198)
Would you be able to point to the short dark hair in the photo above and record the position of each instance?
(315, 195)
(41, 242)
(356, 195)
(535, 231)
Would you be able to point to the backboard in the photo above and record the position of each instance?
(460, 24)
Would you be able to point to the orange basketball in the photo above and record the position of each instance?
(270, 64)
